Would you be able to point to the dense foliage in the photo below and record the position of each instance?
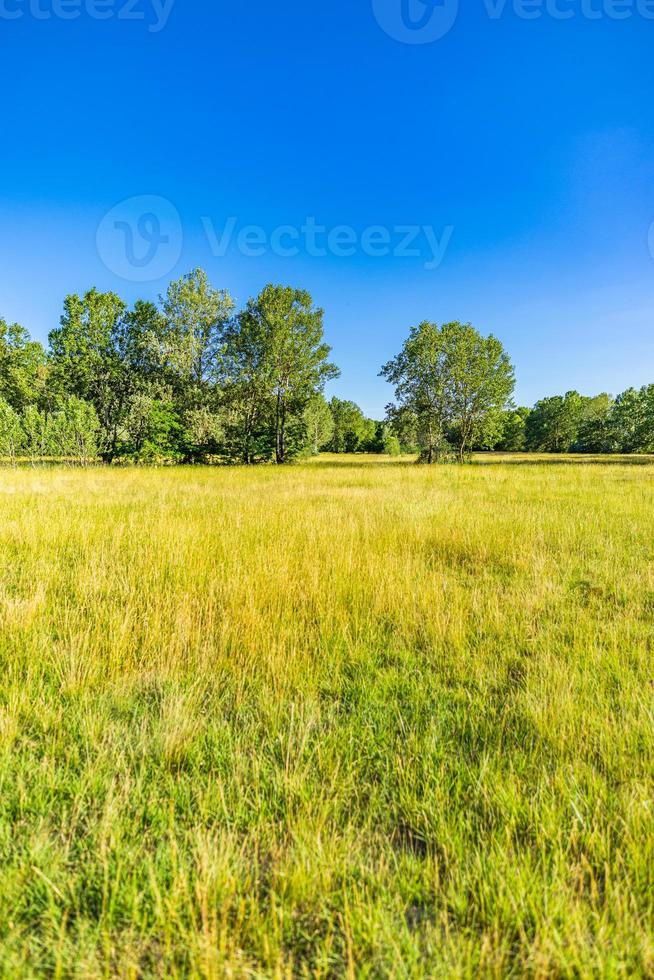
(186, 380)
(574, 423)
(191, 379)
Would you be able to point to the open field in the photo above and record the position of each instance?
(347, 718)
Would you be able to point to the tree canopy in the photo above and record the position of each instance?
(451, 385)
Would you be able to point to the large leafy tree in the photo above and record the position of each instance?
(282, 332)
(87, 361)
(422, 389)
(108, 356)
(451, 386)
(180, 349)
(481, 382)
(245, 387)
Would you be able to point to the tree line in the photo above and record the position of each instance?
(192, 379)
(579, 424)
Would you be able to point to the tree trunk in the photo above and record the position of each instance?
(282, 440)
(279, 431)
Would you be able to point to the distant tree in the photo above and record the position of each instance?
(22, 366)
(634, 420)
(379, 434)
(627, 421)
(554, 423)
(513, 437)
(319, 423)
(349, 428)
(390, 443)
(203, 432)
(369, 442)
(595, 430)
(482, 382)
(140, 339)
(156, 432)
(453, 383)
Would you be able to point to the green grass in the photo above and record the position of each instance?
(369, 719)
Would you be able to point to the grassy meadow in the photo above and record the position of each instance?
(349, 718)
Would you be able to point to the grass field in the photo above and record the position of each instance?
(344, 719)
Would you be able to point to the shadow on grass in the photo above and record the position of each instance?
(487, 459)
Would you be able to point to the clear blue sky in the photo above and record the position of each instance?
(532, 139)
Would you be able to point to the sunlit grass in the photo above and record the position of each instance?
(349, 718)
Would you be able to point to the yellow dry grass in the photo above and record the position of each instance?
(356, 717)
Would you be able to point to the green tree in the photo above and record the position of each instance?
(188, 340)
(12, 435)
(369, 442)
(195, 315)
(87, 361)
(634, 420)
(595, 430)
(422, 389)
(391, 444)
(22, 366)
(626, 421)
(513, 438)
(156, 431)
(349, 426)
(553, 424)
(319, 423)
(284, 331)
(245, 390)
(453, 384)
(481, 382)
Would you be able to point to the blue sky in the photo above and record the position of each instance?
(531, 140)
